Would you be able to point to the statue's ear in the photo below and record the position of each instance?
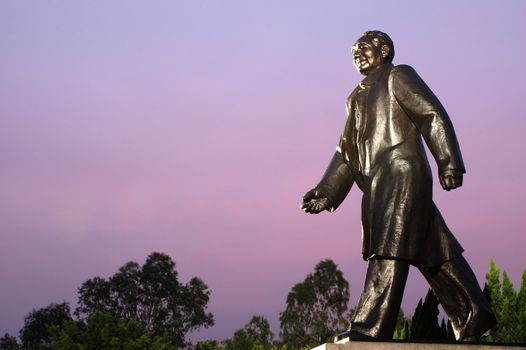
(385, 51)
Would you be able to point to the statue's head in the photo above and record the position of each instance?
(371, 50)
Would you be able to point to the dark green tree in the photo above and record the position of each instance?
(402, 326)
(315, 308)
(95, 296)
(493, 287)
(424, 324)
(508, 305)
(105, 332)
(256, 334)
(208, 345)
(509, 316)
(240, 341)
(37, 325)
(152, 295)
(521, 310)
(258, 329)
(8, 342)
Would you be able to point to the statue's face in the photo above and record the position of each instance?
(367, 56)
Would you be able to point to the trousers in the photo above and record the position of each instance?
(453, 283)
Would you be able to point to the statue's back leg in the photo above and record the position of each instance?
(459, 293)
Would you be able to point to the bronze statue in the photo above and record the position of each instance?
(381, 150)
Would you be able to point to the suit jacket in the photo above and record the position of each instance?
(381, 149)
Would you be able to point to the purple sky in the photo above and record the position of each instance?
(194, 128)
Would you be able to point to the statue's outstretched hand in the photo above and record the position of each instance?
(451, 179)
(314, 202)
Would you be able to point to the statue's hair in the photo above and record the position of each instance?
(380, 38)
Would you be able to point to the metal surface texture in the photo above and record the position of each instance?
(392, 116)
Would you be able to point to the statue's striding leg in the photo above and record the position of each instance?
(459, 293)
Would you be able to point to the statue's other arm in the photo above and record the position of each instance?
(432, 120)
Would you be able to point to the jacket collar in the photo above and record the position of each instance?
(374, 76)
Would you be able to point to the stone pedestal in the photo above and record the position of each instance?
(403, 345)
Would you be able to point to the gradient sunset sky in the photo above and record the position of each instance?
(194, 127)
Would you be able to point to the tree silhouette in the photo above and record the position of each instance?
(36, 332)
(315, 307)
(424, 324)
(151, 294)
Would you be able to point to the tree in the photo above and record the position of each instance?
(402, 326)
(8, 342)
(152, 295)
(207, 345)
(508, 305)
(315, 307)
(521, 310)
(258, 329)
(255, 335)
(508, 315)
(104, 332)
(240, 341)
(37, 324)
(424, 324)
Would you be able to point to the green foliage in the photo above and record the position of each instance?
(315, 307)
(521, 309)
(256, 335)
(240, 341)
(8, 342)
(273, 347)
(36, 332)
(207, 345)
(258, 329)
(150, 294)
(402, 326)
(403, 332)
(493, 286)
(508, 305)
(104, 332)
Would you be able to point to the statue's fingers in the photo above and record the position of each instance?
(450, 182)
(458, 180)
(309, 195)
(309, 208)
(313, 207)
(442, 182)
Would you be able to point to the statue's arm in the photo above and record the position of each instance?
(432, 120)
(332, 189)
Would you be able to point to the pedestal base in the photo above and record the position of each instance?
(403, 345)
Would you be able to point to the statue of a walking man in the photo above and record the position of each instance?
(382, 151)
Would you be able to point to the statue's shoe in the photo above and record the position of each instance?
(479, 326)
(353, 335)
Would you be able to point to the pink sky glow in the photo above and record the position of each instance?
(194, 128)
